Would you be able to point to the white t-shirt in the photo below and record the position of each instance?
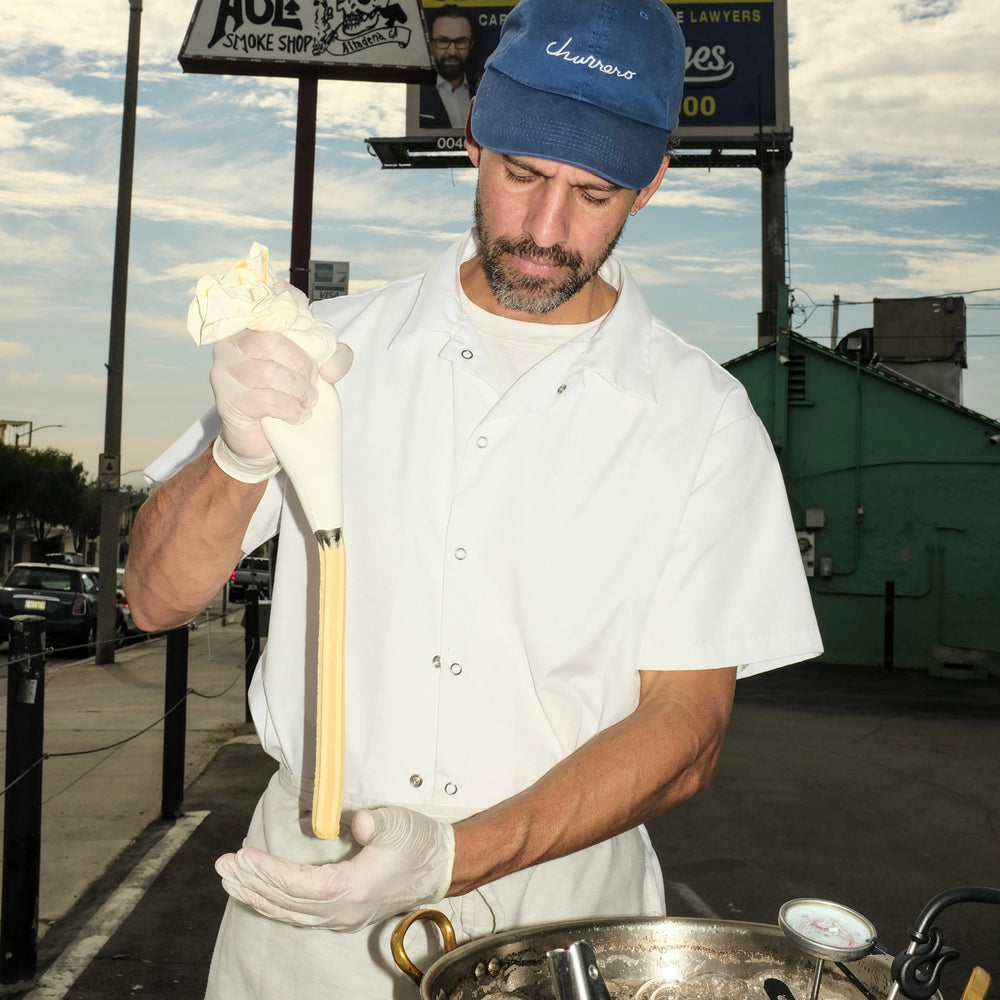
(456, 100)
(515, 346)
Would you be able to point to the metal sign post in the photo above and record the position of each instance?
(110, 506)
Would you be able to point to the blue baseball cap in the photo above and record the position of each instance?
(593, 83)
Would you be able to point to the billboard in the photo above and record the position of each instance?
(380, 40)
(735, 80)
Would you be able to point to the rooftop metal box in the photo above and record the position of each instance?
(930, 329)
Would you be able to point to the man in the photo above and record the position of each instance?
(567, 534)
(446, 103)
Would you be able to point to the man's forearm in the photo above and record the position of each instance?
(659, 756)
(186, 540)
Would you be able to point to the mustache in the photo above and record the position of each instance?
(558, 255)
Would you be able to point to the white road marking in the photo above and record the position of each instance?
(57, 980)
(687, 894)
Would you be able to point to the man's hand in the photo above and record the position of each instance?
(258, 373)
(406, 860)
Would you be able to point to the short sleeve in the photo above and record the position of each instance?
(734, 592)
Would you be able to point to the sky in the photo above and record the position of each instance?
(893, 191)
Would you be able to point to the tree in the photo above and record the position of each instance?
(15, 481)
(86, 526)
(56, 493)
(15, 489)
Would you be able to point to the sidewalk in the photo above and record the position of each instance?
(95, 804)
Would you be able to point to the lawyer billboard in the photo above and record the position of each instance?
(735, 80)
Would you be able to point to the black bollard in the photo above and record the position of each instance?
(22, 834)
(175, 724)
(251, 640)
(889, 635)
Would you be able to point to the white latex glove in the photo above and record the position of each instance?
(261, 373)
(406, 860)
(254, 375)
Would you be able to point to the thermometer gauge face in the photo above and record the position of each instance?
(827, 930)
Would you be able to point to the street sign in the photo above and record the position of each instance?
(328, 279)
(109, 467)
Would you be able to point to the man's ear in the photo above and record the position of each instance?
(471, 146)
(642, 197)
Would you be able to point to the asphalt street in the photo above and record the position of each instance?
(870, 789)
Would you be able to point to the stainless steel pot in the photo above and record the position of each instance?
(641, 959)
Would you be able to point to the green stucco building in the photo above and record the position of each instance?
(895, 491)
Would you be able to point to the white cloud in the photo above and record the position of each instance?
(94, 32)
(88, 383)
(31, 190)
(13, 133)
(40, 99)
(22, 381)
(958, 271)
(872, 81)
(692, 197)
(12, 349)
(886, 239)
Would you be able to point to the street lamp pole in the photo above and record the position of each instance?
(32, 429)
(110, 460)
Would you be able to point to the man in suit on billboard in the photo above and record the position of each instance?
(445, 104)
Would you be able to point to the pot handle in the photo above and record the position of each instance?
(399, 955)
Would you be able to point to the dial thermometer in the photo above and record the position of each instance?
(826, 930)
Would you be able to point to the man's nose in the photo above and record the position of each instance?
(548, 218)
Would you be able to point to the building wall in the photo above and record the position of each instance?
(909, 490)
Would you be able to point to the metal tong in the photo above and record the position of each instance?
(575, 973)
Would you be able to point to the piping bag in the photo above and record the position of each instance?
(311, 455)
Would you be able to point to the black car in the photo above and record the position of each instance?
(64, 595)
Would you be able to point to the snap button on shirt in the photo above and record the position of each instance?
(451, 788)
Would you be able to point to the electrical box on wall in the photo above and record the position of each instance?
(815, 517)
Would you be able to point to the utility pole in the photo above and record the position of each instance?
(302, 190)
(773, 157)
(111, 458)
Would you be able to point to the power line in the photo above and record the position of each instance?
(807, 312)
(944, 295)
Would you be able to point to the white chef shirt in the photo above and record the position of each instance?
(514, 561)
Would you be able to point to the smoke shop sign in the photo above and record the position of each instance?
(348, 39)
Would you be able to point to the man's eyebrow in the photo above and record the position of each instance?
(608, 187)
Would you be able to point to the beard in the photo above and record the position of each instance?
(529, 293)
(451, 69)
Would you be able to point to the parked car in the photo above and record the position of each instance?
(129, 626)
(64, 595)
(252, 570)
